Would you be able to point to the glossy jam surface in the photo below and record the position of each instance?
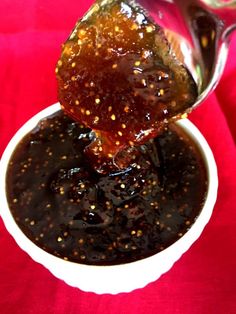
(117, 75)
(75, 213)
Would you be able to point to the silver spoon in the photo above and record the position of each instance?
(199, 32)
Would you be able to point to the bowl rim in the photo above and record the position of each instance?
(181, 245)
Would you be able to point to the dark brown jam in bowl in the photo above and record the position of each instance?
(77, 214)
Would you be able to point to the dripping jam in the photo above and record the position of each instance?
(118, 75)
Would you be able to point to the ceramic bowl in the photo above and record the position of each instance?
(117, 278)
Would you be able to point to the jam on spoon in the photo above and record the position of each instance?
(117, 75)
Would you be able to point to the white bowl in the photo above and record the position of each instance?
(117, 278)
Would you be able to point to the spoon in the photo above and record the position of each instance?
(119, 39)
(199, 32)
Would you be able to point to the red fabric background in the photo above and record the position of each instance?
(204, 279)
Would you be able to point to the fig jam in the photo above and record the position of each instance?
(118, 75)
(68, 209)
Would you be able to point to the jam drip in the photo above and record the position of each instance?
(118, 76)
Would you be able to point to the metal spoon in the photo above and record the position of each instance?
(199, 32)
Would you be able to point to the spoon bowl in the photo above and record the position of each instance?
(199, 32)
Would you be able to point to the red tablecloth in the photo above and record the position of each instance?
(204, 279)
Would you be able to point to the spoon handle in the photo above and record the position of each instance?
(220, 4)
